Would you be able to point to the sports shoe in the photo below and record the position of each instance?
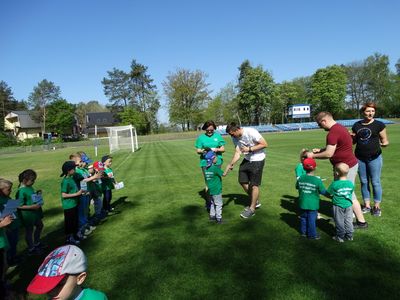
(247, 213)
(212, 218)
(317, 237)
(72, 241)
(348, 238)
(376, 212)
(359, 225)
(366, 210)
(219, 221)
(258, 204)
(337, 239)
(303, 235)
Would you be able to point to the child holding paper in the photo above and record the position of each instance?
(5, 191)
(31, 210)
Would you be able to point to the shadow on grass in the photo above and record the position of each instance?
(237, 199)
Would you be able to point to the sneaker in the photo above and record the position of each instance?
(81, 236)
(348, 238)
(87, 232)
(337, 239)
(258, 204)
(376, 212)
(212, 218)
(247, 213)
(303, 235)
(219, 221)
(359, 225)
(317, 237)
(92, 227)
(72, 241)
(366, 210)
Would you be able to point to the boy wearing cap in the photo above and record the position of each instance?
(70, 198)
(341, 191)
(96, 191)
(108, 182)
(82, 178)
(62, 274)
(310, 187)
(213, 175)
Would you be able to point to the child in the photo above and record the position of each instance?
(82, 178)
(62, 274)
(108, 182)
(5, 192)
(213, 174)
(95, 190)
(69, 199)
(30, 211)
(309, 187)
(341, 191)
(299, 170)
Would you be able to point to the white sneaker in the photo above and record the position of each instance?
(258, 204)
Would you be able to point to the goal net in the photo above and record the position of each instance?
(122, 137)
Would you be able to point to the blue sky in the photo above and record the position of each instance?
(74, 43)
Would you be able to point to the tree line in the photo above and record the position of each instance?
(253, 98)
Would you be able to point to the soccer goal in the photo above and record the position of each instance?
(122, 137)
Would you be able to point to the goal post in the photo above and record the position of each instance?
(122, 137)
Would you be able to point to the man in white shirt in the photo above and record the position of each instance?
(248, 141)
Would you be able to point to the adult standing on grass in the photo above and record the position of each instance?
(369, 135)
(339, 150)
(248, 141)
(210, 140)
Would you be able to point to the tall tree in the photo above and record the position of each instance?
(256, 90)
(116, 87)
(187, 94)
(43, 94)
(328, 90)
(357, 81)
(60, 116)
(6, 97)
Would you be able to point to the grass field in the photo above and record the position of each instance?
(160, 245)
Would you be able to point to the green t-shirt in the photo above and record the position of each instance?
(214, 141)
(28, 216)
(342, 193)
(89, 294)
(79, 175)
(3, 238)
(213, 179)
(299, 170)
(309, 187)
(68, 186)
(108, 180)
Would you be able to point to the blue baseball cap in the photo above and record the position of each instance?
(85, 158)
(210, 155)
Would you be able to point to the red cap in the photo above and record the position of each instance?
(98, 166)
(309, 164)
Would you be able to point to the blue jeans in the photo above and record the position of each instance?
(370, 173)
(83, 210)
(308, 219)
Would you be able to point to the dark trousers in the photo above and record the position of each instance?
(71, 221)
(107, 196)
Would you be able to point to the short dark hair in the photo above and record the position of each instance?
(208, 124)
(28, 174)
(232, 127)
(366, 105)
(322, 115)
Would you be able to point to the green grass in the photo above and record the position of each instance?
(161, 246)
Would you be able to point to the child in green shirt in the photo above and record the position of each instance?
(310, 187)
(341, 191)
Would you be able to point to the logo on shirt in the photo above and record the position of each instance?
(364, 135)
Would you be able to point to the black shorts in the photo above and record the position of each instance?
(251, 172)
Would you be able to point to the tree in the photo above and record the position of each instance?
(43, 94)
(134, 89)
(328, 90)
(116, 87)
(256, 89)
(356, 85)
(60, 116)
(131, 116)
(187, 95)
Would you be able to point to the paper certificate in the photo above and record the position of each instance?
(10, 208)
(119, 185)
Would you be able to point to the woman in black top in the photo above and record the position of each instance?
(369, 135)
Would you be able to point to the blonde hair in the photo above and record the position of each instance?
(342, 169)
(4, 183)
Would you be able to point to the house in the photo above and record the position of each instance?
(101, 120)
(21, 124)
